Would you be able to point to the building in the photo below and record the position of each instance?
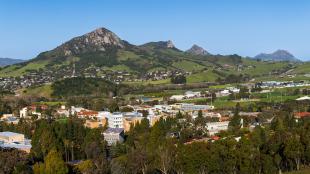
(191, 94)
(131, 119)
(192, 107)
(10, 137)
(114, 135)
(14, 140)
(23, 112)
(84, 113)
(91, 123)
(301, 114)
(115, 120)
(177, 97)
(215, 127)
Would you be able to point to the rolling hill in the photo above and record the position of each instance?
(101, 51)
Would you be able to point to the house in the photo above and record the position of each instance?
(114, 135)
(63, 111)
(84, 113)
(301, 114)
(14, 140)
(215, 127)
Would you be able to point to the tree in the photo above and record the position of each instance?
(53, 164)
(178, 79)
(86, 167)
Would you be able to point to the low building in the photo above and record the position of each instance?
(301, 114)
(131, 119)
(91, 123)
(192, 107)
(191, 94)
(87, 114)
(177, 97)
(215, 127)
(114, 135)
(14, 140)
(10, 137)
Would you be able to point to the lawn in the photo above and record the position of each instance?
(15, 70)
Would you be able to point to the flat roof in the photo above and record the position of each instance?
(9, 134)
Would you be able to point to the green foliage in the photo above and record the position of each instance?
(53, 164)
(83, 86)
(178, 79)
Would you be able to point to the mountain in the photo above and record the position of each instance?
(279, 55)
(101, 53)
(97, 40)
(197, 50)
(9, 61)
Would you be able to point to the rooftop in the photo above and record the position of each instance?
(114, 130)
(9, 134)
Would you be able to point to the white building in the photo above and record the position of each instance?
(14, 140)
(23, 112)
(177, 97)
(115, 120)
(10, 137)
(191, 94)
(114, 135)
(216, 127)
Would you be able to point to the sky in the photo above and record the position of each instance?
(244, 27)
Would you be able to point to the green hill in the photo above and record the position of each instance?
(101, 52)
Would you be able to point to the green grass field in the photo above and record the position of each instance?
(205, 76)
(14, 70)
(43, 91)
(188, 66)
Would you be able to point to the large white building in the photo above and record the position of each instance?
(216, 127)
(14, 140)
(115, 120)
(114, 135)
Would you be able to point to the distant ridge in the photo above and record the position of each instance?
(9, 61)
(279, 55)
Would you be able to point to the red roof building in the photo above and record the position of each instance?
(302, 114)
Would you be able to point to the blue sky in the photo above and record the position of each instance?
(244, 27)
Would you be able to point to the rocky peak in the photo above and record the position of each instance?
(197, 50)
(170, 44)
(97, 40)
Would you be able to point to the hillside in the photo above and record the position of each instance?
(102, 54)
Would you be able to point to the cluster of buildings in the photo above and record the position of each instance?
(286, 84)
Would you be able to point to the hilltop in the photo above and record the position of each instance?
(279, 55)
